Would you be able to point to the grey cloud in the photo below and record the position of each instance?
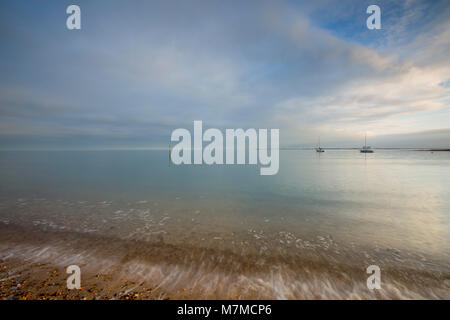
(136, 72)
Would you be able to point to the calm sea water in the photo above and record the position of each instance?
(390, 207)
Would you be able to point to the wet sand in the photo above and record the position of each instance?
(42, 281)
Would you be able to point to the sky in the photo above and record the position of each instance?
(137, 70)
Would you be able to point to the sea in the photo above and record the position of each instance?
(226, 232)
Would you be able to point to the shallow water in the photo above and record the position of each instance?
(308, 232)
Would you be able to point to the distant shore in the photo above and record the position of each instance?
(381, 148)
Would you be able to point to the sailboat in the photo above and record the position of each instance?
(319, 149)
(366, 148)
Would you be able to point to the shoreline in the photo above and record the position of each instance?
(33, 267)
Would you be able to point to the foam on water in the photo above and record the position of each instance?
(299, 269)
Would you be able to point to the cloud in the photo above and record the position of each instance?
(134, 73)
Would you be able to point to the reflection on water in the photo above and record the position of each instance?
(309, 231)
